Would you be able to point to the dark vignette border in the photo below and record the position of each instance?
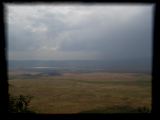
(155, 67)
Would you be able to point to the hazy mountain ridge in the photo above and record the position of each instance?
(82, 65)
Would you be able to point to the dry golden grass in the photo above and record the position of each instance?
(77, 92)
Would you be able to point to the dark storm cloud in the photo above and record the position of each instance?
(124, 40)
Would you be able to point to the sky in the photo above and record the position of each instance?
(79, 31)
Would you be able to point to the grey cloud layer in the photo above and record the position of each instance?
(79, 32)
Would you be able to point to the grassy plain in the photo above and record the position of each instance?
(97, 92)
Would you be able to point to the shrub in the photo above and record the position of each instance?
(19, 104)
